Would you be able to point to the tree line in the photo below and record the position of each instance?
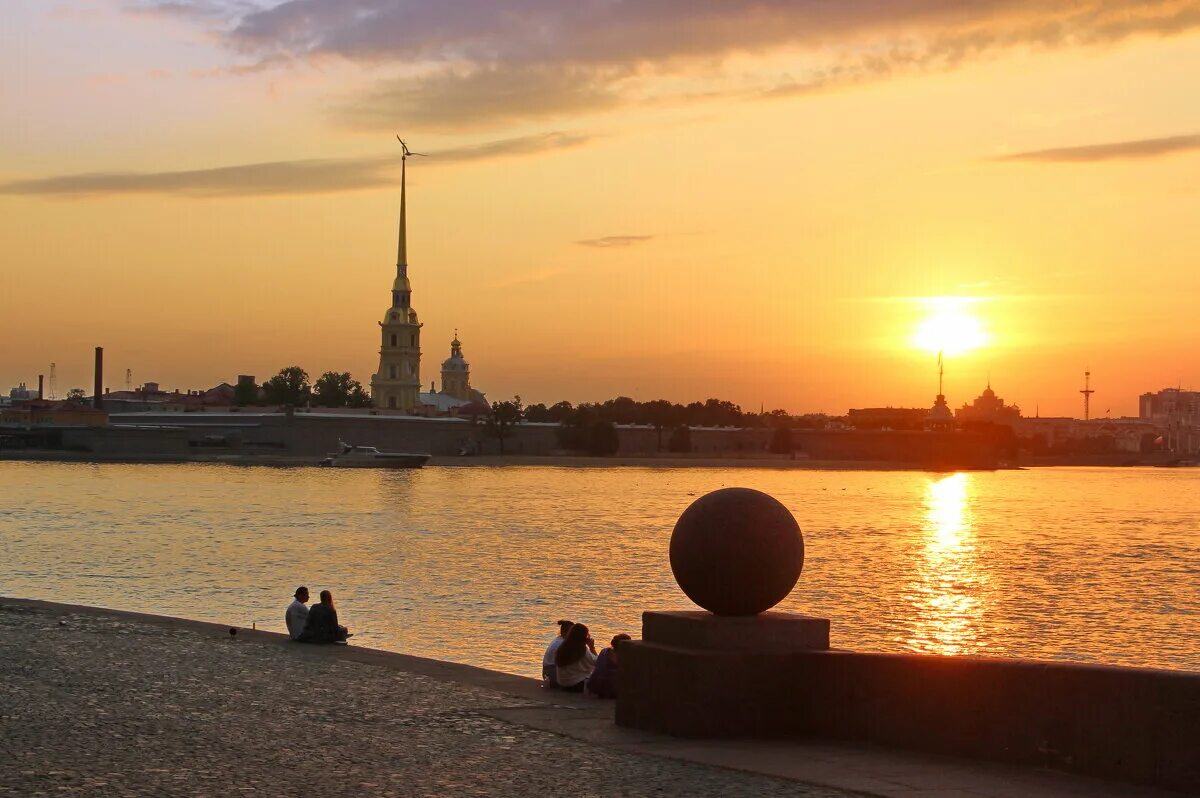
(587, 427)
(291, 386)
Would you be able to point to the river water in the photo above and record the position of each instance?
(474, 564)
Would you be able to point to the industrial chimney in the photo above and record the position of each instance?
(98, 388)
(41, 384)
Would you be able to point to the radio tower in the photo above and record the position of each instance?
(128, 379)
(1087, 394)
(53, 382)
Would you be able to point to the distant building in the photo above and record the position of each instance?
(940, 418)
(456, 394)
(22, 392)
(988, 408)
(397, 384)
(887, 418)
(150, 397)
(39, 413)
(1177, 413)
(1170, 404)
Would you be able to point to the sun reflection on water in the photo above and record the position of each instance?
(948, 579)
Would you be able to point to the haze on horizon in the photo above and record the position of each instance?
(758, 201)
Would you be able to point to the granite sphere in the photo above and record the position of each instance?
(737, 551)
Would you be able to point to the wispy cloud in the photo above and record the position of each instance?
(487, 63)
(480, 98)
(315, 176)
(1117, 150)
(612, 242)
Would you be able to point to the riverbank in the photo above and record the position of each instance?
(101, 702)
(556, 461)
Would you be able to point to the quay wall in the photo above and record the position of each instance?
(1128, 724)
(305, 434)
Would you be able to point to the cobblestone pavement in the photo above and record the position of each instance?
(105, 706)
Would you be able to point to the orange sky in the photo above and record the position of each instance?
(747, 200)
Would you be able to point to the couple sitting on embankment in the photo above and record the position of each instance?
(571, 663)
(316, 624)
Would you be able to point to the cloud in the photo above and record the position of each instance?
(485, 63)
(1118, 150)
(630, 31)
(316, 176)
(611, 242)
(479, 99)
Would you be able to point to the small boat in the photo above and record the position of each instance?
(370, 457)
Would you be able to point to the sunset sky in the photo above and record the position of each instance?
(760, 201)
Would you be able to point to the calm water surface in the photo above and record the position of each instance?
(475, 564)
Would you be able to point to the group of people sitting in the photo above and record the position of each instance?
(315, 624)
(572, 664)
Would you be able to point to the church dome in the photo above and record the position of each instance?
(456, 361)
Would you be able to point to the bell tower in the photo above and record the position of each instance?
(398, 382)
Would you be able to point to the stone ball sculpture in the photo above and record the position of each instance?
(737, 551)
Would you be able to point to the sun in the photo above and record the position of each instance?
(949, 326)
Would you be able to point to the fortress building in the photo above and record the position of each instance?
(456, 393)
(397, 384)
(989, 408)
(456, 372)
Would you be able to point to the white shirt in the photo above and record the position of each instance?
(576, 672)
(297, 616)
(548, 657)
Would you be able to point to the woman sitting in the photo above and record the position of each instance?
(603, 681)
(322, 625)
(575, 659)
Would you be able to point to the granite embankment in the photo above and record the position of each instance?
(105, 703)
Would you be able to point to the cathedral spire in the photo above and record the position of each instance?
(402, 244)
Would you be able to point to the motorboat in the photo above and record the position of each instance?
(370, 457)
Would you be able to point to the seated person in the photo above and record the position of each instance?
(297, 613)
(603, 681)
(548, 675)
(575, 658)
(322, 626)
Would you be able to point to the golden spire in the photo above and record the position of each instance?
(402, 245)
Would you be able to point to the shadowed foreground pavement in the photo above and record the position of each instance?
(94, 704)
(106, 703)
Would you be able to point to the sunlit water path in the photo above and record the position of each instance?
(475, 564)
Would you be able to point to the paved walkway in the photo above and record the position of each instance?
(100, 703)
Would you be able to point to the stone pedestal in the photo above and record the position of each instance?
(770, 631)
(699, 675)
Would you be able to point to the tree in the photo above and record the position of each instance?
(358, 397)
(660, 413)
(502, 418)
(76, 395)
(603, 439)
(336, 389)
(288, 387)
(681, 439)
(560, 412)
(538, 413)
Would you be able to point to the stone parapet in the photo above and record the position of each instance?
(1130, 724)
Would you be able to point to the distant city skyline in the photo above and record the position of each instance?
(758, 203)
